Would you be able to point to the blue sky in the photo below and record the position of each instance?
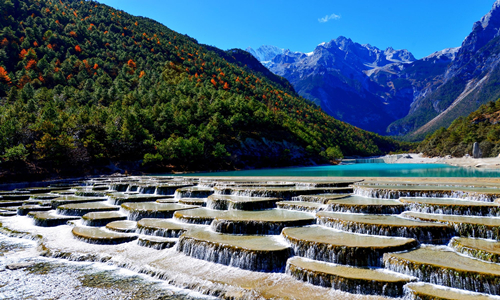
(421, 26)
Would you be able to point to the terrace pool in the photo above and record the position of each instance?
(363, 170)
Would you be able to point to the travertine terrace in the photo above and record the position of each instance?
(247, 238)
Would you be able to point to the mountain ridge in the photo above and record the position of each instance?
(85, 88)
(467, 82)
(389, 91)
(342, 66)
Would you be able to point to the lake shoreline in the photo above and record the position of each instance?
(466, 161)
(485, 164)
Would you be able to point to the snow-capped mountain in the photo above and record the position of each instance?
(388, 91)
(446, 54)
(265, 53)
(335, 76)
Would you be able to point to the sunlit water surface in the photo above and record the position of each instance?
(364, 170)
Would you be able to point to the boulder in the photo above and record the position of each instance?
(476, 151)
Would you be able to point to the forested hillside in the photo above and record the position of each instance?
(84, 86)
(482, 126)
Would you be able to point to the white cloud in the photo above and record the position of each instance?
(329, 17)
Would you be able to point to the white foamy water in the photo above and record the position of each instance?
(168, 266)
(51, 278)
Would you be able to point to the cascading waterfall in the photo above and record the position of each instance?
(486, 253)
(241, 204)
(233, 256)
(247, 234)
(132, 189)
(90, 194)
(366, 209)
(486, 283)
(351, 284)
(192, 193)
(427, 235)
(352, 256)
(254, 226)
(282, 193)
(217, 204)
(156, 243)
(382, 193)
(167, 233)
(477, 231)
(119, 187)
(454, 210)
(147, 189)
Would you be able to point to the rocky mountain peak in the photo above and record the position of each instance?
(492, 19)
(403, 55)
(343, 43)
(483, 31)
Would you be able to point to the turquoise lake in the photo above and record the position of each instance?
(363, 170)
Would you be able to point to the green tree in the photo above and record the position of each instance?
(16, 153)
(334, 153)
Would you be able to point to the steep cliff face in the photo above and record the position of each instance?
(470, 79)
(482, 33)
(416, 81)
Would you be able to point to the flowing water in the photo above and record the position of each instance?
(48, 278)
(256, 238)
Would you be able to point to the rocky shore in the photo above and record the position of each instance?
(466, 161)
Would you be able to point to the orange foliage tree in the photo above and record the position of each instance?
(4, 76)
(31, 64)
(23, 54)
(131, 64)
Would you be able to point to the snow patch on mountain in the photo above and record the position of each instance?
(265, 53)
(446, 54)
